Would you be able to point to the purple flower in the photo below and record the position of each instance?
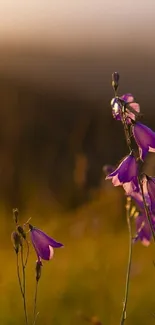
(127, 98)
(118, 102)
(145, 139)
(137, 197)
(143, 232)
(150, 186)
(43, 244)
(126, 174)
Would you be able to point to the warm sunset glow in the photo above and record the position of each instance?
(76, 21)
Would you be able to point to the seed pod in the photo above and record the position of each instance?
(15, 215)
(38, 270)
(15, 237)
(21, 232)
(115, 80)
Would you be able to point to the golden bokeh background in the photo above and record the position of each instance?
(56, 133)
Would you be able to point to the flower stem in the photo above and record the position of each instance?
(18, 274)
(126, 131)
(123, 315)
(27, 254)
(35, 304)
(24, 296)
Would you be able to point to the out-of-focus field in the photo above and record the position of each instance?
(87, 276)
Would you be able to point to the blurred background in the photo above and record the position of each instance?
(56, 133)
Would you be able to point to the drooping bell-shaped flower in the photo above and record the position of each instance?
(144, 137)
(131, 107)
(43, 244)
(143, 231)
(126, 174)
(138, 198)
(150, 185)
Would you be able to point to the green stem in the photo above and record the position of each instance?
(27, 255)
(24, 297)
(124, 310)
(18, 274)
(126, 131)
(35, 304)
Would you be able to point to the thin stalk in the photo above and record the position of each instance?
(126, 131)
(27, 254)
(18, 274)
(124, 310)
(35, 304)
(24, 297)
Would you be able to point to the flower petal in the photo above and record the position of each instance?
(131, 187)
(128, 98)
(126, 174)
(131, 116)
(143, 230)
(43, 244)
(145, 139)
(41, 236)
(151, 191)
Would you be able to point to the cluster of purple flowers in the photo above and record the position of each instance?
(137, 185)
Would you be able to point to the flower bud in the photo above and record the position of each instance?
(115, 80)
(15, 237)
(15, 215)
(21, 232)
(38, 269)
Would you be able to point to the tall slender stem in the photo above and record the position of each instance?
(27, 254)
(35, 304)
(123, 315)
(18, 274)
(24, 297)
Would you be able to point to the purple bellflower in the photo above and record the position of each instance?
(117, 107)
(126, 174)
(145, 139)
(143, 232)
(138, 199)
(150, 187)
(43, 244)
